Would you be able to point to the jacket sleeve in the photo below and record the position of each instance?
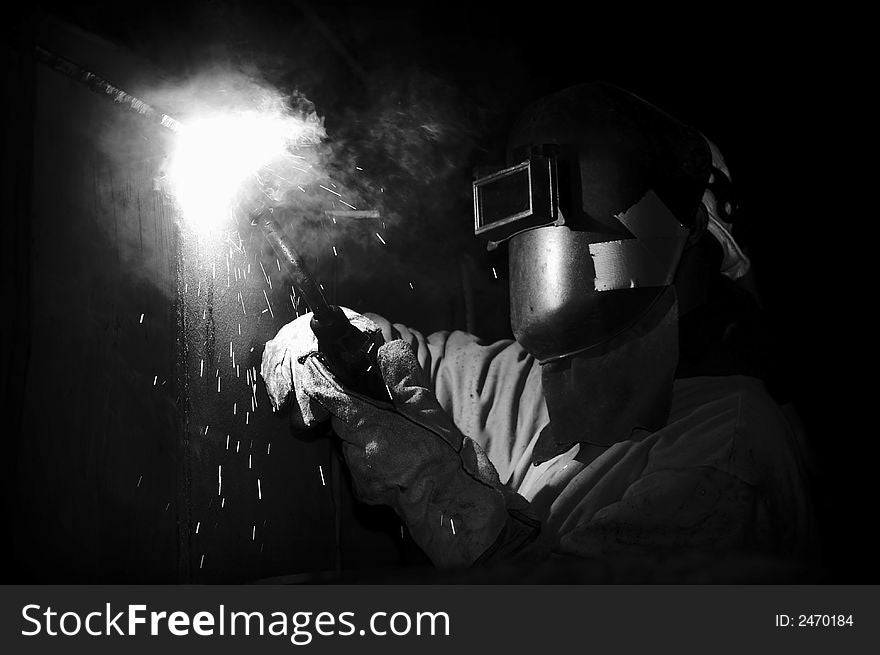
(492, 391)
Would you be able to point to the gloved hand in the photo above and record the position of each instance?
(284, 374)
(408, 455)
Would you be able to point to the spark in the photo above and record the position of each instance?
(259, 490)
(241, 299)
(269, 449)
(279, 263)
(266, 275)
(250, 463)
(359, 168)
(237, 444)
(202, 563)
(197, 526)
(155, 379)
(219, 480)
(247, 418)
(268, 304)
(142, 318)
(201, 367)
(139, 481)
(222, 503)
(216, 154)
(233, 244)
(227, 442)
(335, 254)
(218, 385)
(254, 534)
(167, 506)
(494, 273)
(411, 286)
(330, 190)
(347, 205)
(381, 239)
(452, 523)
(206, 429)
(321, 471)
(239, 329)
(234, 409)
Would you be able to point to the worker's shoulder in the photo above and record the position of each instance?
(736, 410)
(742, 395)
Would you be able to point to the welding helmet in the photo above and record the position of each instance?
(597, 202)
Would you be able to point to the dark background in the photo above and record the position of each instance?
(86, 418)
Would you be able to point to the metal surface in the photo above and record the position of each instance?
(101, 86)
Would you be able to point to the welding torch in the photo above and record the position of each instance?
(351, 355)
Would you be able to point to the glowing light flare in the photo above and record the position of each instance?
(216, 154)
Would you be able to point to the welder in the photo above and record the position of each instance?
(626, 420)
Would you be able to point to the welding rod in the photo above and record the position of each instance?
(301, 278)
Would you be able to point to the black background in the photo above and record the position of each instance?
(767, 89)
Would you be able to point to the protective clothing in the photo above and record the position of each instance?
(627, 187)
(409, 455)
(722, 475)
(284, 375)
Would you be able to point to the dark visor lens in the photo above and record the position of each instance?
(506, 197)
(515, 199)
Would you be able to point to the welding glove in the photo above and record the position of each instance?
(408, 454)
(285, 375)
